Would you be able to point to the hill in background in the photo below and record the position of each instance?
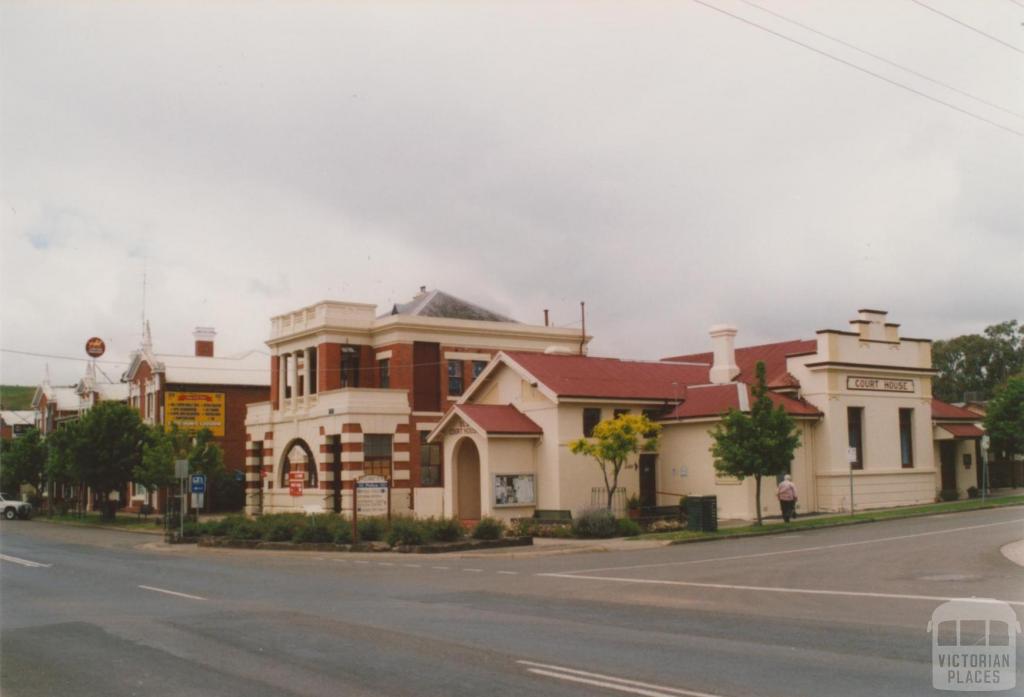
(16, 397)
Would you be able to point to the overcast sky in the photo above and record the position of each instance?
(671, 165)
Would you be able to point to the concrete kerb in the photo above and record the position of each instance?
(114, 528)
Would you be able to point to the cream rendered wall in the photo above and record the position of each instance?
(965, 477)
(882, 481)
(508, 456)
(687, 446)
(578, 475)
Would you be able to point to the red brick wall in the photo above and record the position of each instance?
(275, 382)
(328, 366)
(235, 400)
(204, 349)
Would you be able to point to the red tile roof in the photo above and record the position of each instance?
(942, 411)
(499, 419)
(610, 378)
(963, 430)
(773, 355)
(715, 400)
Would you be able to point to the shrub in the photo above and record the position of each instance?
(192, 529)
(371, 529)
(444, 529)
(488, 529)
(597, 522)
(343, 533)
(973, 492)
(949, 494)
(406, 531)
(628, 527)
(318, 528)
(281, 527)
(245, 529)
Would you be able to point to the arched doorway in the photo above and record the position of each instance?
(298, 458)
(467, 480)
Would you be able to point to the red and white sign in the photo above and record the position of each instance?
(296, 482)
(95, 347)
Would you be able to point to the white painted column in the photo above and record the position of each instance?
(306, 370)
(293, 370)
(282, 370)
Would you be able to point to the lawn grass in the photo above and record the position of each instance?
(123, 521)
(829, 521)
(16, 397)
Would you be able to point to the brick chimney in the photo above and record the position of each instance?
(204, 341)
(724, 368)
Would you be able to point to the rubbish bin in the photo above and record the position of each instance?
(709, 513)
(694, 513)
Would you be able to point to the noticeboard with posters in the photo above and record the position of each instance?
(372, 495)
(296, 483)
(194, 411)
(514, 490)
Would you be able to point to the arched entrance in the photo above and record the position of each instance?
(467, 480)
(298, 458)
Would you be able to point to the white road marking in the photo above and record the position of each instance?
(360, 561)
(164, 590)
(411, 566)
(384, 563)
(443, 568)
(25, 562)
(608, 681)
(473, 571)
(799, 550)
(767, 589)
(509, 573)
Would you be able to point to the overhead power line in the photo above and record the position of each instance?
(951, 18)
(862, 69)
(885, 60)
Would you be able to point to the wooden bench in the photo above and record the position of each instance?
(552, 516)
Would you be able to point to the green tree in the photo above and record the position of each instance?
(758, 444)
(206, 457)
(62, 467)
(24, 463)
(161, 448)
(978, 363)
(614, 442)
(1004, 419)
(109, 447)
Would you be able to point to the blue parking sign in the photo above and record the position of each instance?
(198, 483)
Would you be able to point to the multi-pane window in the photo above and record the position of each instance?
(377, 454)
(855, 428)
(430, 461)
(349, 366)
(907, 437)
(591, 418)
(478, 367)
(455, 378)
(384, 371)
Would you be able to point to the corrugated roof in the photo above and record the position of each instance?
(22, 417)
(963, 430)
(714, 400)
(773, 355)
(251, 368)
(610, 378)
(943, 410)
(500, 419)
(437, 303)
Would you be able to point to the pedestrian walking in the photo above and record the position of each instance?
(787, 498)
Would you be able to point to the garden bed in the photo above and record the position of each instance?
(428, 548)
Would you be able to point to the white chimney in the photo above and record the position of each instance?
(724, 368)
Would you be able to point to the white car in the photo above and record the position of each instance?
(14, 508)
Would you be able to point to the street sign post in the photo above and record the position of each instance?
(181, 473)
(198, 486)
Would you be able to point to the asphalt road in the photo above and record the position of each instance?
(830, 612)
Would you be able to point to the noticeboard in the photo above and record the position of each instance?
(296, 483)
(514, 490)
(194, 411)
(372, 495)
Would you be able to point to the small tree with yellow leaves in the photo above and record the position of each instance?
(615, 442)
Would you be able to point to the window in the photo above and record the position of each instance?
(619, 412)
(907, 437)
(854, 426)
(430, 461)
(591, 418)
(349, 366)
(312, 370)
(384, 372)
(652, 416)
(478, 367)
(454, 378)
(377, 454)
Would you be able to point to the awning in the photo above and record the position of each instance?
(962, 430)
